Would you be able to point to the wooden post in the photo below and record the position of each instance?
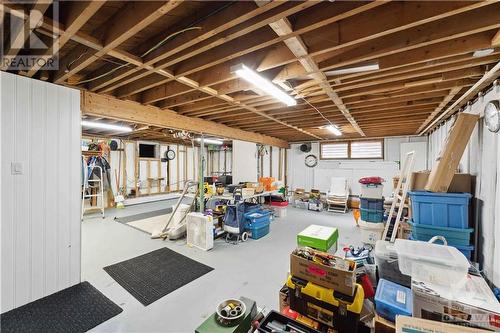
(136, 171)
(177, 167)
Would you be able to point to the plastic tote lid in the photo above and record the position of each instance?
(432, 253)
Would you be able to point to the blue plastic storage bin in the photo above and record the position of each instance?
(441, 209)
(454, 236)
(393, 299)
(372, 215)
(466, 250)
(375, 204)
(258, 231)
(259, 216)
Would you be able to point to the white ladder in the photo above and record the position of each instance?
(399, 198)
(100, 192)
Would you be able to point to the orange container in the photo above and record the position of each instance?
(267, 182)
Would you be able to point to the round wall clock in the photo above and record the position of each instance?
(170, 154)
(492, 116)
(311, 161)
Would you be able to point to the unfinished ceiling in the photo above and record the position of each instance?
(178, 56)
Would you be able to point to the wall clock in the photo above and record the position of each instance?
(492, 116)
(311, 161)
(170, 155)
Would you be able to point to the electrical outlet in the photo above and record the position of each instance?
(16, 168)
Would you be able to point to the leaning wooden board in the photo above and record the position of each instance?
(448, 159)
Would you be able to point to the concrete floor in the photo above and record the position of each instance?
(256, 269)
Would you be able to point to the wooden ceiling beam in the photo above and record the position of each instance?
(167, 90)
(78, 14)
(453, 92)
(131, 19)
(112, 108)
(495, 41)
(244, 45)
(296, 45)
(224, 26)
(425, 81)
(452, 28)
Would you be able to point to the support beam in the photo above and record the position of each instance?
(78, 14)
(110, 107)
(487, 79)
(296, 45)
(441, 106)
(496, 39)
(134, 17)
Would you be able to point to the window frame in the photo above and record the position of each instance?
(349, 157)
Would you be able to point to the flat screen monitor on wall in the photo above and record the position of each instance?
(147, 150)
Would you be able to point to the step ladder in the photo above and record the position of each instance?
(93, 183)
(398, 203)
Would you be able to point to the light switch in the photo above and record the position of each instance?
(16, 168)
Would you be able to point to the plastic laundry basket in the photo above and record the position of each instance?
(424, 261)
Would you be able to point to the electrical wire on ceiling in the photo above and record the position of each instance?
(156, 46)
(315, 108)
(144, 54)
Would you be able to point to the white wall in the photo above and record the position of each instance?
(40, 229)
(318, 177)
(481, 158)
(244, 164)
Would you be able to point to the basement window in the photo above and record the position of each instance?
(341, 150)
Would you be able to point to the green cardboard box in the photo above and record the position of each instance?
(318, 237)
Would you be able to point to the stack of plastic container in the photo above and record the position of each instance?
(372, 209)
(257, 223)
(442, 214)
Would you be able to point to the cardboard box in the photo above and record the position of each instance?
(451, 153)
(416, 325)
(318, 237)
(382, 325)
(461, 182)
(473, 305)
(337, 279)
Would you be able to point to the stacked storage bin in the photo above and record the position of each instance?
(257, 223)
(372, 209)
(442, 214)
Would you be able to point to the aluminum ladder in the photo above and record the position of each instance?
(99, 195)
(400, 194)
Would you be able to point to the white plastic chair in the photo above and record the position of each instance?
(338, 195)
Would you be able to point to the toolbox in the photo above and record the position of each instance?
(336, 310)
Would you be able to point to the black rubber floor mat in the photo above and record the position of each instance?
(153, 275)
(75, 309)
(142, 216)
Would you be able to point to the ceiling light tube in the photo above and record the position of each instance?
(105, 126)
(353, 70)
(263, 84)
(211, 141)
(334, 129)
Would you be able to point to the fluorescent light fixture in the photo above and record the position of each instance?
(263, 84)
(352, 70)
(211, 141)
(334, 129)
(483, 52)
(105, 126)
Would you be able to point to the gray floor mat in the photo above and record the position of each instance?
(142, 216)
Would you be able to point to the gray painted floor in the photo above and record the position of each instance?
(256, 269)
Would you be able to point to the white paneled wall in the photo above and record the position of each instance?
(318, 177)
(40, 214)
(482, 159)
